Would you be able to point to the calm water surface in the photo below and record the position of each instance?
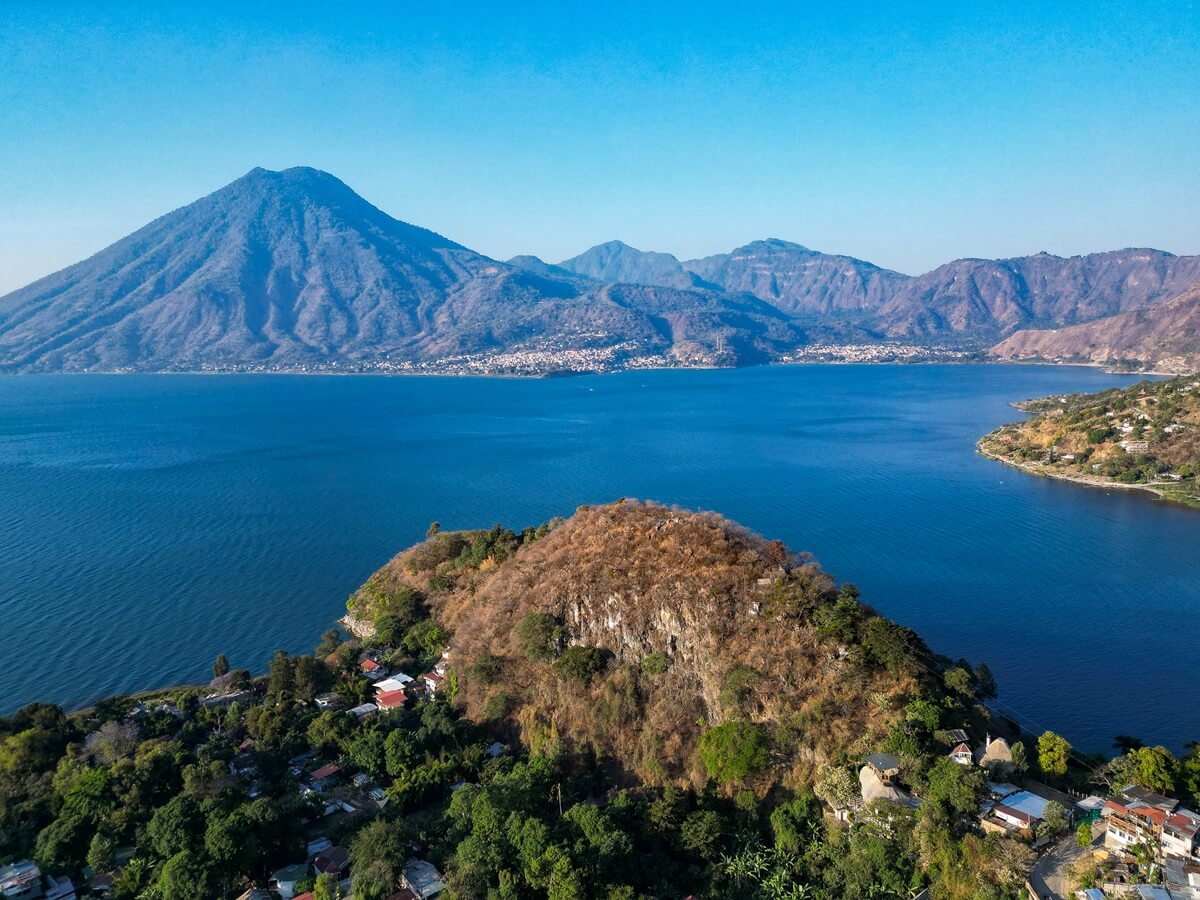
(148, 523)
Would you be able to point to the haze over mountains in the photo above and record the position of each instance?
(293, 271)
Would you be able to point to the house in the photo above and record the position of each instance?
(957, 736)
(994, 752)
(372, 669)
(1003, 819)
(873, 787)
(24, 880)
(366, 709)
(495, 749)
(420, 877)
(286, 879)
(326, 776)
(379, 796)
(1179, 835)
(1015, 811)
(962, 755)
(328, 701)
(397, 682)
(243, 765)
(1134, 446)
(257, 894)
(318, 846)
(1137, 795)
(362, 779)
(101, 884)
(431, 680)
(391, 700)
(1131, 823)
(335, 861)
(885, 766)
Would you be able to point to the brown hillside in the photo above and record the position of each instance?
(1163, 338)
(731, 614)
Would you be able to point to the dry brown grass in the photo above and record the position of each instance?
(639, 578)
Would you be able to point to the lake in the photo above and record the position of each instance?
(149, 523)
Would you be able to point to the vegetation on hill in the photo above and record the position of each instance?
(550, 763)
(1146, 435)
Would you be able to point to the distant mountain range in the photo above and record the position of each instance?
(1162, 338)
(294, 271)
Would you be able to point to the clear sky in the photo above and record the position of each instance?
(907, 134)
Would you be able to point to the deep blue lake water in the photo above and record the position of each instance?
(148, 523)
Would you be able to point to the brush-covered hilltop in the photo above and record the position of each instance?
(635, 630)
(635, 702)
(1144, 436)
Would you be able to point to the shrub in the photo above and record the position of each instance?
(734, 750)
(497, 706)
(655, 663)
(738, 686)
(539, 636)
(579, 664)
(486, 669)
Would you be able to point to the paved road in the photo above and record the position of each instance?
(1049, 877)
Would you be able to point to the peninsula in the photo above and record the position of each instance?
(1145, 437)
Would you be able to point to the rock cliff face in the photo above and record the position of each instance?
(1163, 338)
(701, 622)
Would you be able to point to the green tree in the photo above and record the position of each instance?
(734, 750)
(1083, 834)
(220, 666)
(1155, 768)
(100, 852)
(579, 664)
(377, 854)
(369, 752)
(185, 877)
(1053, 753)
(701, 834)
(401, 753)
(326, 888)
(539, 636)
(1054, 819)
(959, 680)
(62, 845)
(175, 827)
(425, 637)
(282, 682)
(331, 639)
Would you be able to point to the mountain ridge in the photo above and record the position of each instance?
(294, 271)
(1164, 337)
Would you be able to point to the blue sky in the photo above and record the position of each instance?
(907, 134)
